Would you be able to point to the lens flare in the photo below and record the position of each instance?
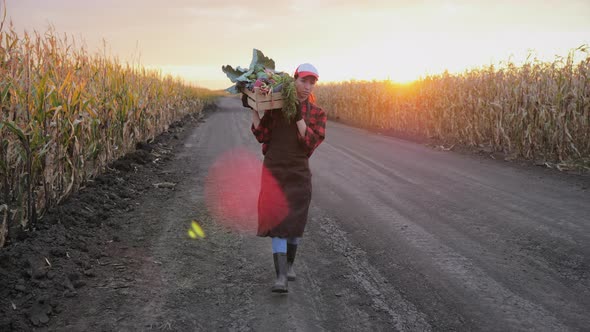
(232, 190)
(197, 229)
(192, 234)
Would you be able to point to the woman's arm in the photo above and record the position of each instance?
(261, 127)
(313, 133)
(255, 118)
(301, 127)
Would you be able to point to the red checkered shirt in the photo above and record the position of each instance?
(315, 119)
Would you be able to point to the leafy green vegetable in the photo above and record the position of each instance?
(261, 74)
(259, 59)
(233, 74)
(290, 96)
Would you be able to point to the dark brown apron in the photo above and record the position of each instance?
(284, 215)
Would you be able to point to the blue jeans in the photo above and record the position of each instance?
(279, 245)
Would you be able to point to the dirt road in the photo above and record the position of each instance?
(400, 237)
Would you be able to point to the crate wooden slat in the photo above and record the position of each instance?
(262, 102)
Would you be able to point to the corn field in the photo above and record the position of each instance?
(538, 111)
(65, 114)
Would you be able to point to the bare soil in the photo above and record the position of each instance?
(87, 241)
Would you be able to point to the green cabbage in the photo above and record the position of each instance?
(263, 68)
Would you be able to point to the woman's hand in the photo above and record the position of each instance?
(298, 115)
(255, 118)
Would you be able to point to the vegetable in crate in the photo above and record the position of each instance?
(261, 74)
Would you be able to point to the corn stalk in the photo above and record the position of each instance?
(4, 224)
(66, 114)
(538, 111)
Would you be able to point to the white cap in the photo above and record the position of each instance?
(307, 69)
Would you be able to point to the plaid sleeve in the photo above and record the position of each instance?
(316, 129)
(263, 131)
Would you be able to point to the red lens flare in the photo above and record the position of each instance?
(232, 190)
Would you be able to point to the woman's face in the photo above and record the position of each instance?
(304, 86)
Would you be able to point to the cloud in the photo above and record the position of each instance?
(224, 13)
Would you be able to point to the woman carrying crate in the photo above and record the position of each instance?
(285, 192)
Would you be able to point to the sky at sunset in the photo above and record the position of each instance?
(398, 39)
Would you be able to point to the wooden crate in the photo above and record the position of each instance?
(262, 102)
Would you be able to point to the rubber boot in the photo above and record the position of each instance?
(280, 285)
(291, 251)
(274, 258)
